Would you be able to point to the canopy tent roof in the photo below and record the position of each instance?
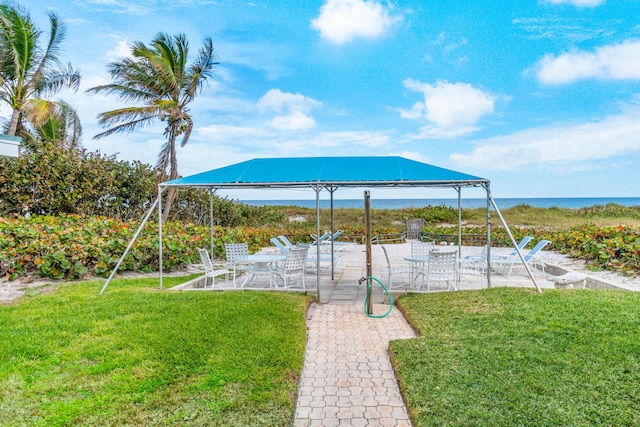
(292, 172)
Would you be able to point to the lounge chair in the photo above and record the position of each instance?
(483, 255)
(317, 240)
(336, 245)
(531, 258)
(278, 244)
(285, 246)
(523, 244)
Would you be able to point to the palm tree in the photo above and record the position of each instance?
(56, 122)
(158, 77)
(28, 73)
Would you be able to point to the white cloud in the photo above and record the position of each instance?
(578, 3)
(561, 148)
(341, 21)
(449, 105)
(296, 120)
(435, 132)
(120, 50)
(613, 62)
(291, 109)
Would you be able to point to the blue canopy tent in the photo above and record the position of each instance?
(329, 173)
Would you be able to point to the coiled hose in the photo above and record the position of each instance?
(366, 300)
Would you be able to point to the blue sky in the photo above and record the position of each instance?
(542, 97)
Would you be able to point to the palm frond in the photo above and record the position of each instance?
(202, 69)
(125, 127)
(57, 79)
(127, 114)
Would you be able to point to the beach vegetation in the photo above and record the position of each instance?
(135, 356)
(71, 246)
(509, 356)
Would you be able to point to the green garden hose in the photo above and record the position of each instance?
(366, 300)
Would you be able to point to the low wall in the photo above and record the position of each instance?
(592, 282)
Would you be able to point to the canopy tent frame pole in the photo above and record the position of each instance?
(135, 236)
(160, 246)
(459, 190)
(211, 245)
(318, 188)
(488, 213)
(515, 244)
(331, 191)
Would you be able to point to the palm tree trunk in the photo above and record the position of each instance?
(172, 193)
(173, 172)
(13, 125)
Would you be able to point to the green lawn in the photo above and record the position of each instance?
(511, 357)
(138, 356)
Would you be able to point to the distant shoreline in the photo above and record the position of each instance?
(471, 203)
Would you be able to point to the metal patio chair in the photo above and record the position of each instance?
(211, 270)
(237, 258)
(292, 269)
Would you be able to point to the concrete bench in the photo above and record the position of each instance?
(571, 280)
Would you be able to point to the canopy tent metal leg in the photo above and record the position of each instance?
(515, 245)
(160, 247)
(211, 245)
(133, 239)
(331, 191)
(486, 187)
(459, 190)
(318, 189)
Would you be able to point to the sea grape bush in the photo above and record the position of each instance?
(72, 246)
(614, 248)
(611, 248)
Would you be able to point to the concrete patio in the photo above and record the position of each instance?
(344, 288)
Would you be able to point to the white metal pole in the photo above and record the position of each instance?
(126, 251)
(488, 260)
(318, 243)
(331, 190)
(160, 248)
(459, 190)
(213, 255)
(515, 245)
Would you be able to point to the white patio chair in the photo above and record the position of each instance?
(211, 270)
(395, 271)
(442, 267)
(291, 269)
(420, 251)
(237, 258)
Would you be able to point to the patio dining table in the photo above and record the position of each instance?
(418, 265)
(261, 264)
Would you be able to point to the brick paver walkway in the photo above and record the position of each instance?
(347, 379)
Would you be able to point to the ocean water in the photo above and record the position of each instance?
(503, 203)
